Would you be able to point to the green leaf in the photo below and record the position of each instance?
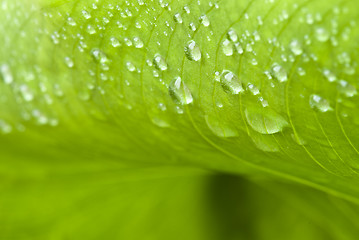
(99, 93)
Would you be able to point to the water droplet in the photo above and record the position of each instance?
(192, 51)
(69, 62)
(279, 73)
(128, 42)
(130, 67)
(177, 18)
(90, 29)
(227, 47)
(26, 93)
(232, 35)
(204, 20)
(179, 92)
(86, 14)
(6, 74)
(253, 89)
(346, 88)
(99, 56)
(319, 103)
(265, 120)
(71, 21)
(115, 42)
(192, 26)
(138, 42)
(329, 75)
(160, 63)
(322, 34)
(230, 82)
(296, 47)
(5, 127)
(238, 48)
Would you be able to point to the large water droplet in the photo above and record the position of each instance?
(319, 103)
(179, 92)
(265, 120)
(192, 51)
(160, 62)
(230, 82)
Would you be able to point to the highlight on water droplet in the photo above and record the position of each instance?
(319, 103)
(115, 42)
(179, 92)
(160, 62)
(192, 51)
(230, 82)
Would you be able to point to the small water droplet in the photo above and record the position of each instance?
(137, 42)
(130, 67)
(230, 82)
(319, 103)
(322, 34)
(99, 56)
(253, 89)
(90, 29)
(115, 42)
(160, 62)
(227, 47)
(6, 74)
(204, 20)
(279, 73)
(86, 14)
(296, 47)
(179, 92)
(177, 18)
(346, 88)
(192, 51)
(69, 62)
(232, 35)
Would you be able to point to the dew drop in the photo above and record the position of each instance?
(192, 51)
(253, 89)
(99, 56)
(230, 82)
(204, 20)
(90, 29)
(115, 42)
(279, 73)
(6, 74)
(346, 88)
(322, 34)
(160, 63)
(265, 120)
(26, 93)
(86, 14)
(177, 18)
(329, 75)
(71, 21)
(296, 47)
(227, 47)
(179, 92)
(130, 67)
(232, 35)
(137, 42)
(69, 62)
(319, 103)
